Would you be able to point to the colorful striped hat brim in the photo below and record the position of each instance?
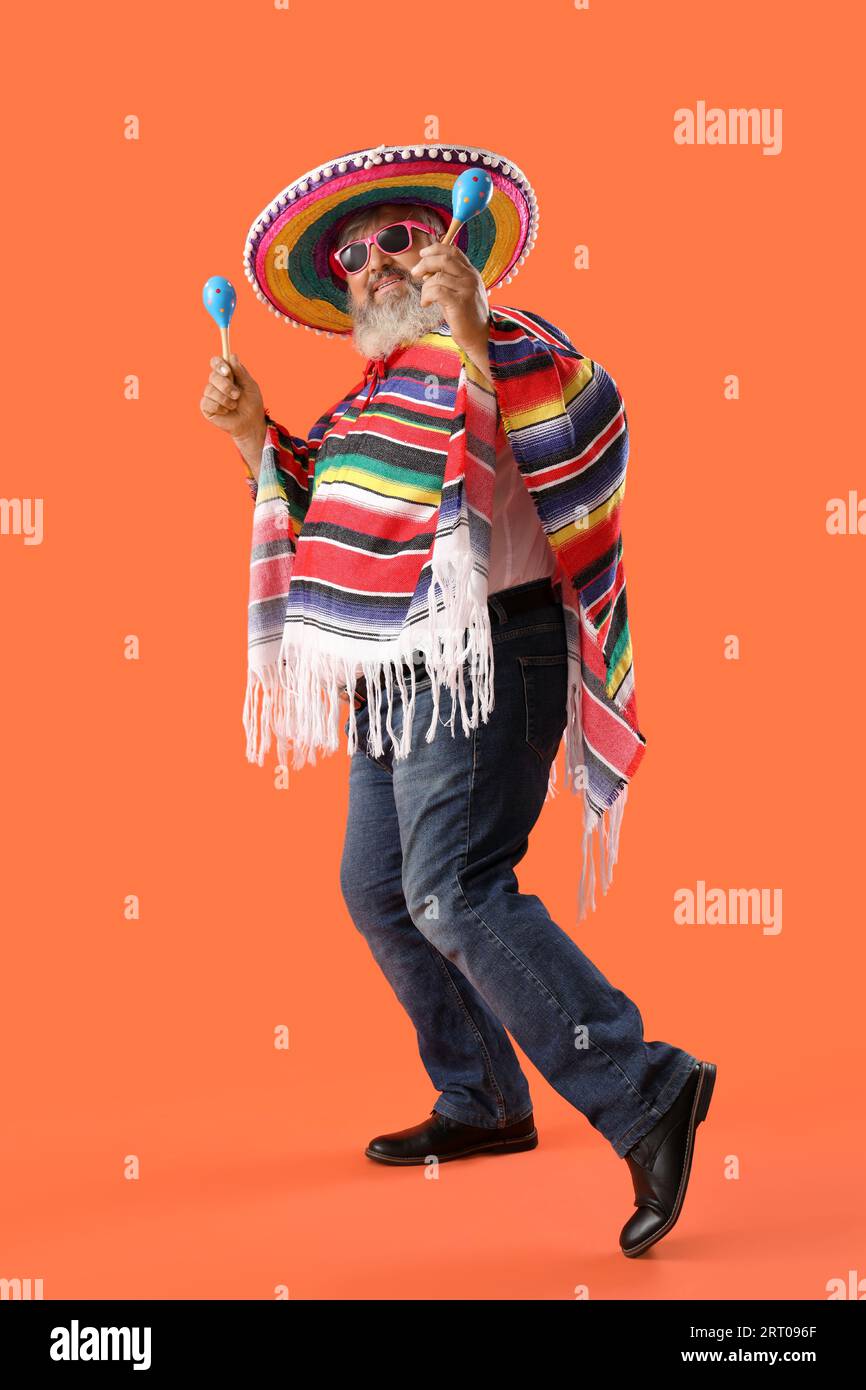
(286, 255)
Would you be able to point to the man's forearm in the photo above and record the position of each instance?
(479, 355)
(477, 349)
(251, 446)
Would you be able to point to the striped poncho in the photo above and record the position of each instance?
(371, 542)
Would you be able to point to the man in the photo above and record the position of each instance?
(435, 828)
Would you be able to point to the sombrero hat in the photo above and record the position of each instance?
(286, 256)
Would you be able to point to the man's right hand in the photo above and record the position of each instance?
(233, 402)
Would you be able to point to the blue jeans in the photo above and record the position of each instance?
(427, 874)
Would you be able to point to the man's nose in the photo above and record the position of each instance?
(379, 259)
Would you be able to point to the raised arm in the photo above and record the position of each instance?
(232, 402)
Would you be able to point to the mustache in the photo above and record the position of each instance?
(387, 275)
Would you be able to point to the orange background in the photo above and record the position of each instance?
(155, 1037)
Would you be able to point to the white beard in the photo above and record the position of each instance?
(400, 318)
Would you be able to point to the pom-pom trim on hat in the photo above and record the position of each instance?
(346, 170)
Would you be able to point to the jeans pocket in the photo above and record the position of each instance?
(545, 696)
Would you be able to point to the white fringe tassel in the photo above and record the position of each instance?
(576, 778)
(608, 849)
(297, 696)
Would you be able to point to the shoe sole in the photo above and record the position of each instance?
(512, 1146)
(700, 1106)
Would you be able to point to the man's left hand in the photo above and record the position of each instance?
(457, 286)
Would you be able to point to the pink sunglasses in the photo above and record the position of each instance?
(396, 237)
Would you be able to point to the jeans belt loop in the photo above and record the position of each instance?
(497, 608)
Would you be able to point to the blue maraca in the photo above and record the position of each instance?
(219, 299)
(470, 195)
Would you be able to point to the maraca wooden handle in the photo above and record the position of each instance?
(451, 233)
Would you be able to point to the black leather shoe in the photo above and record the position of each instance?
(444, 1139)
(661, 1162)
